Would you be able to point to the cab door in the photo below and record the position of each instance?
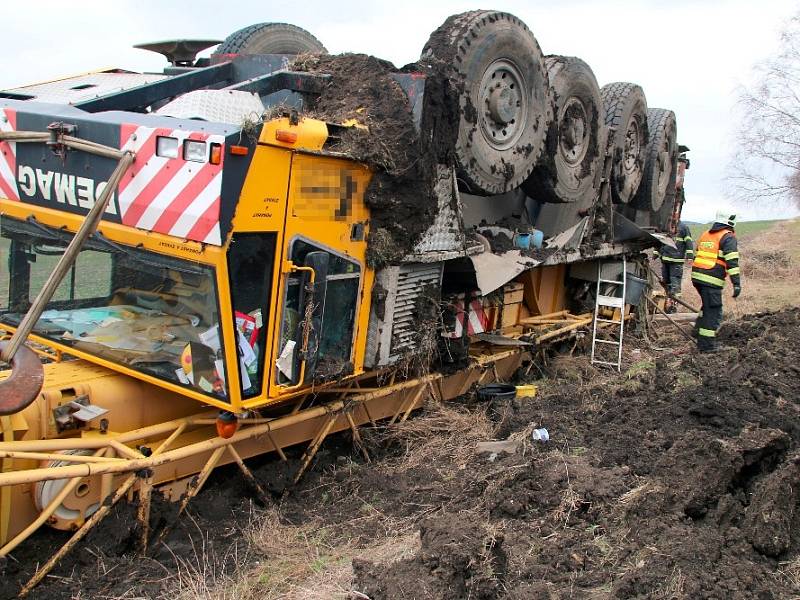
(324, 287)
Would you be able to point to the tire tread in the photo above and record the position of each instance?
(616, 98)
(236, 41)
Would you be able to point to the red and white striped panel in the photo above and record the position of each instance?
(8, 156)
(170, 195)
(476, 317)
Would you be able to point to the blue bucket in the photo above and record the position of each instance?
(528, 240)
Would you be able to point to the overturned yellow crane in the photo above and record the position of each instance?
(198, 282)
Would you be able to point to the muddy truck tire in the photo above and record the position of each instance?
(497, 69)
(568, 167)
(661, 164)
(626, 112)
(271, 38)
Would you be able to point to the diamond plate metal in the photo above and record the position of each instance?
(220, 106)
(445, 234)
(84, 87)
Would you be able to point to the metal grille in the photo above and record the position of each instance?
(395, 331)
(412, 281)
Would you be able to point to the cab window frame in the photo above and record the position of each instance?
(284, 293)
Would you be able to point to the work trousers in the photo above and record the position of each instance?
(672, 274)
(710, 317)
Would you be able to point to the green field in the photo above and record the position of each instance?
(743, 228)
(92, 275)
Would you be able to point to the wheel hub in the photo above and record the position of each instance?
(503, 104)
(632, 146)
(574, 134)
(77, 506)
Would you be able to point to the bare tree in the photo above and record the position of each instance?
(766, 162)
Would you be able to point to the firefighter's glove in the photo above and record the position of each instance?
(737, 289)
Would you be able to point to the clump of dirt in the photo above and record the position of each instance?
(500, 242)
(461, 557)
(771, 513)
(401, 194)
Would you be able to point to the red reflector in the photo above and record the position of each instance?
(238, 150)
(216, 154)
(289, 137)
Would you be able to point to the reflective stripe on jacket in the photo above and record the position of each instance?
(717, 256)
(683, 246)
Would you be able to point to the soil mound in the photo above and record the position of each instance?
(460, 558)
(401, 193)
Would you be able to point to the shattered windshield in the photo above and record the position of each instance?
(150, 312)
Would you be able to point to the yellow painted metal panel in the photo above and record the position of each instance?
(262, 202)
(229, 342)
(122, 234)
(311, 134)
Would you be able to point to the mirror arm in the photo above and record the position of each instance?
(290, 267)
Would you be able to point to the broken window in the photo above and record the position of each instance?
(147, 311)
(330, 306)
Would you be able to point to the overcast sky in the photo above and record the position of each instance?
(688, 55)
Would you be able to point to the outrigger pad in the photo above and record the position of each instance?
(179, 52)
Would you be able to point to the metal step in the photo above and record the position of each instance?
(610, 301)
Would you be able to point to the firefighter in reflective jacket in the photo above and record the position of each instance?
(672, 260)
(717, 255)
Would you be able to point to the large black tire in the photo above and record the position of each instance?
(661, 165)
(497, 67)
(567, 170)
(626, 111)
(271, 38)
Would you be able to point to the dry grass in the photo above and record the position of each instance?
(570, 502)
(444, 431)
(311, 561)
(284, 561)
(205, 575)
(674, 587)
(789, 571)
(524, 438)
(632, 496)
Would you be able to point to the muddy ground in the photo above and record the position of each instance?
(678, 478)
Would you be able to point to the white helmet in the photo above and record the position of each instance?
(726, 218)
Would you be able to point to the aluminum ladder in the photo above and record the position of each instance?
(612, 302)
